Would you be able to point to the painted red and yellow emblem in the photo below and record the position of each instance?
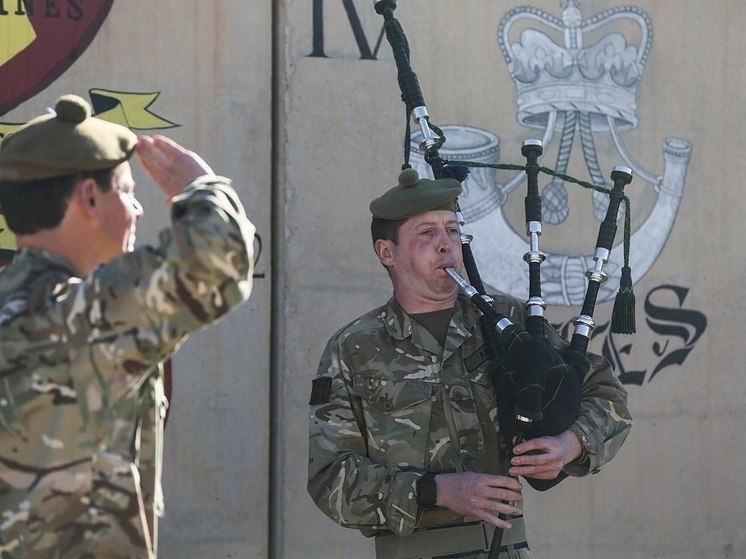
(41, 39)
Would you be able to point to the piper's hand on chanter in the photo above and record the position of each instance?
(171, 166)
(544, 457)
(482, 496)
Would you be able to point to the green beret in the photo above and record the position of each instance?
(65, 142)
(414, 195)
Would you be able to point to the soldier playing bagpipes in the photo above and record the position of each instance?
(424, 411)
(405, 442)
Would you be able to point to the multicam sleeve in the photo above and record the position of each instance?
(140, 306)
(343, 482)
(604, 421)
(213, 243)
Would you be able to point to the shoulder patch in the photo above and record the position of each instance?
(476, 359)
(321, 388)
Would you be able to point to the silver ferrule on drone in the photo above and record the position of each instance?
(466, 239)
(533, 230)
(600, 258)
(420, 116)
(584, 325)
(535, 305)
(502, 324)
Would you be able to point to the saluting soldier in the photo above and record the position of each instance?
(404, 437)
(86, 321)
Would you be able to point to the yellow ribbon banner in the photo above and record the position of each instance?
(130, 109)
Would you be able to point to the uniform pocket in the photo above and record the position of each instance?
(114, 483)
(117, 510)
(397, 418)
(481, 383)
(479, 374)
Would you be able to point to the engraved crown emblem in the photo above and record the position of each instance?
(600, 78)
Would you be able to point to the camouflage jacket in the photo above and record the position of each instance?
(81, 392)
(389, 403)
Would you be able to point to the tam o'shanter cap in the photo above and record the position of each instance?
(65, 142)
(414, 195)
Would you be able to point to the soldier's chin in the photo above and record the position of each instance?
(130, 244)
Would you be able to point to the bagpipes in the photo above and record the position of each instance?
(538, 387)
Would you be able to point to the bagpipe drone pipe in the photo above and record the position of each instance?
(538, 386)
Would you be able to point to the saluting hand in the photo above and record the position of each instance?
(482, 496)
(171, 166)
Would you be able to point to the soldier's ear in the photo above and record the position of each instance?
(87, 195)
(385, 251)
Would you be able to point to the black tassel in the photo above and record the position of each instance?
(623, 315)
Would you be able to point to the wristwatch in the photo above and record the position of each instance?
(427, 490)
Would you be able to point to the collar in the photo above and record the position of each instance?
(40, 258)
(400, 326)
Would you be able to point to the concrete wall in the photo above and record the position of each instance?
(299, 103)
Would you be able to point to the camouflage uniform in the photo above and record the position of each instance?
(81, 387)
(389, 403)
